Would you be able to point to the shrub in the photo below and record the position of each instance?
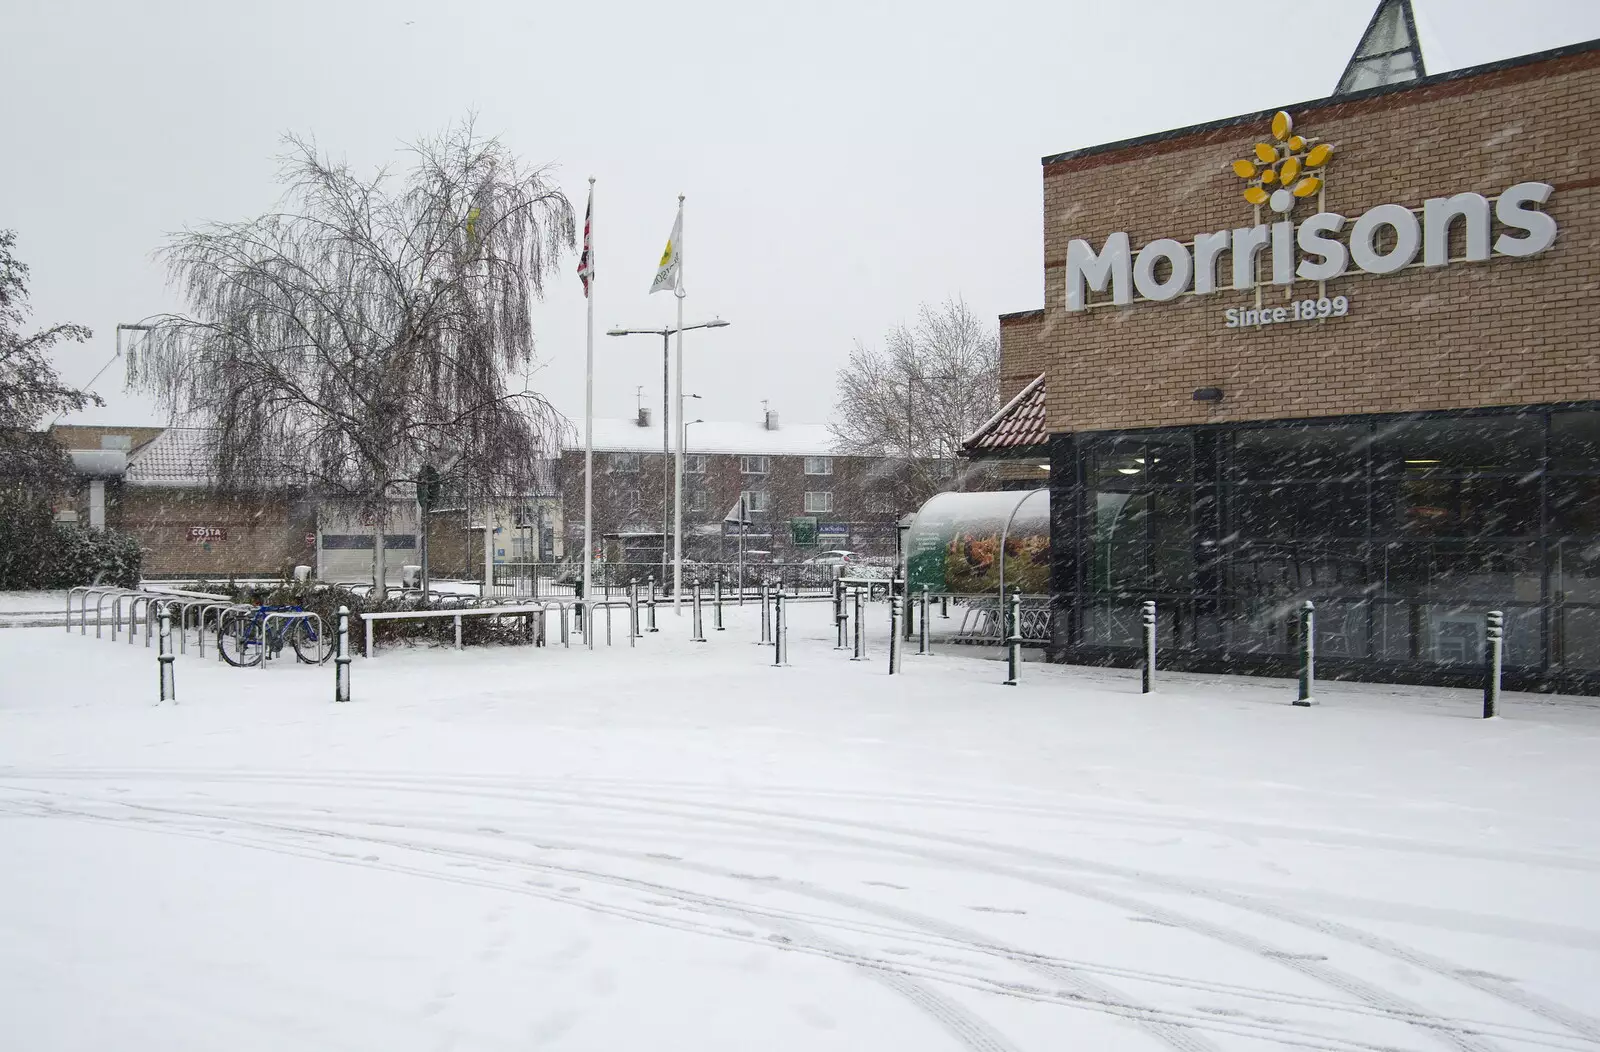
(38, 553)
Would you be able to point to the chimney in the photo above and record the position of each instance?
(644, 417)
(772, 420)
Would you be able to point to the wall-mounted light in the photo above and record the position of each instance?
(1208, 394)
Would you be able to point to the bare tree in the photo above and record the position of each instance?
(368, 326)
(917, 398)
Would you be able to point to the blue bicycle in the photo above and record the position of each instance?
(246, 636)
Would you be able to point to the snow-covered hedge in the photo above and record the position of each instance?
(39, 553)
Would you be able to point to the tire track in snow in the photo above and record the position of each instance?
(969, 1030)
(760, 818)
(961, 1024)
(1386, 1008)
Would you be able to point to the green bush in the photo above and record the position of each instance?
(39, 553)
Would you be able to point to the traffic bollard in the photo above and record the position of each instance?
(861, 638)
(780, 633)
(841, 621)
(650, 606)
(1308, 654)
(699, 621)
(766, 616)
(1147, 615)
(164, 659)
(1014, 641)
(944, 607)
(633, 612)
(894, 636)
(1494, 637)
(922, 624)
(716, 608)
(341, 657)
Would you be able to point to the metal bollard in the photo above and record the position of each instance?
(780, 633)
(1494, 638)
(841, 620)
(341, 657)
(1147, 615)
(922, 624)
(1308, 654)
(894, 635)
(633, 612)
(717, 607)
(164, 659)
(861, 638)
(766, 616)
(586, 611)
(650, 605)
(944, 607)
(1014, 641)
(699, 621)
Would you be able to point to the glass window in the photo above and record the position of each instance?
(1311, 452)
(818, 502)
(1574, 507)
(753, 465)
(1575, 441)
(699, 500)
(1298, 509)
(758, 500)
(694, 463)
(1128, 462)
(1141, 542)
(624, 462)
(819, 465)
(1459, 445)
(1433, 506)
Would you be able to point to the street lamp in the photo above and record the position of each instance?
(667, 471)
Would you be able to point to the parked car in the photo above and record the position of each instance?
(837, 557)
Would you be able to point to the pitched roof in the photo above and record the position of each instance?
(176, 457)
(1018, 425)
(613, 435)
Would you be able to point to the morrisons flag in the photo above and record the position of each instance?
(669, 274)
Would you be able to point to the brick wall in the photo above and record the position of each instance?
(263, 535)
(1502, 332)
(632, 500)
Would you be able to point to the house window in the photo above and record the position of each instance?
(694, 463)
(754, 465)
(818, 502)
(758, 499)
(698, 500)
(624, 462)
(819, 465)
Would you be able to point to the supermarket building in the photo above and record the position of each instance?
(1345, 350)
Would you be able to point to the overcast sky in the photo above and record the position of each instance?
(843, 161)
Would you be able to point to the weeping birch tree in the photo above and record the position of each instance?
(369, 326)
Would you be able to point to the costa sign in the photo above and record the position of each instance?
(1327, 245)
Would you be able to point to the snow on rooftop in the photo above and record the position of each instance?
(624, 435)
(176, 457)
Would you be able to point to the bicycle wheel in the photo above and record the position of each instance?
(308, 647)
(239, 639)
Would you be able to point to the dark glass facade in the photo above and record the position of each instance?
(1404, 530)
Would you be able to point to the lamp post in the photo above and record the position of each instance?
(667, 471)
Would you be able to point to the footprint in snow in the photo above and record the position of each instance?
(998, 909)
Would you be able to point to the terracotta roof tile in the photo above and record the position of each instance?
(1018, 424)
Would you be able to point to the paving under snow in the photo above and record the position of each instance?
(677, 846)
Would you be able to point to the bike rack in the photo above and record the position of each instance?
(221, 608)
(288, 615)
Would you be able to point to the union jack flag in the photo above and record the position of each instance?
(586, 261)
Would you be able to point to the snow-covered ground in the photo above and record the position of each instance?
(678, 846)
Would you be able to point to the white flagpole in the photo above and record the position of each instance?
(588, 411)
(677, 500)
